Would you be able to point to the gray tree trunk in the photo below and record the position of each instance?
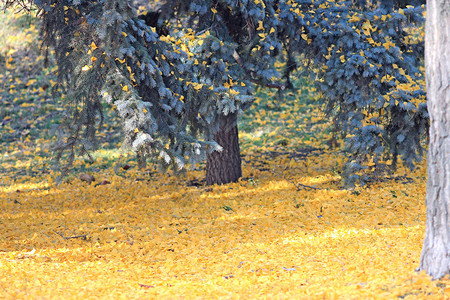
(225, 166)
(435, 258)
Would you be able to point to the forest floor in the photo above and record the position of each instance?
(288, 229)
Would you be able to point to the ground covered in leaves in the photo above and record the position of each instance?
(287, 230)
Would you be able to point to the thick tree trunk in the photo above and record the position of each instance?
(225, 166)
(435, 258)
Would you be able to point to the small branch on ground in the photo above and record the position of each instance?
(81, 236)
(146, 286)
(299, 186)
(129, 239)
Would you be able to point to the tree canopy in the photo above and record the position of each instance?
(171, 85)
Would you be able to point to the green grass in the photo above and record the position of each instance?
(288, 123)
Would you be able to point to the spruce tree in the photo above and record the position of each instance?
(180, 90)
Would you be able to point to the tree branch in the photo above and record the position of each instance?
(81, 236)
(272, 85)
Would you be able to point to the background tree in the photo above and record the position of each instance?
(179, 94)
(435, 258)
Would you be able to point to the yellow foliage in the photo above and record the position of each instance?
(287, 230)
(261, 237)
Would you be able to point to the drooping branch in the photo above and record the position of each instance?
(272, 85)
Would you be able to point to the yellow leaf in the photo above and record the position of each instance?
(354, 18)
(305, 36)
(366, 27)
(260, 27)
(197, 86)
(136, 130)
(125, 88)
(85, 68)
(30, 82)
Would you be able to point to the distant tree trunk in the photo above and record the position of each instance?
(435, 258)
(225, 166)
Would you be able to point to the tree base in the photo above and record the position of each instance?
(225, 166)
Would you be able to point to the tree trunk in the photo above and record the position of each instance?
(225, 166)
(435, 259)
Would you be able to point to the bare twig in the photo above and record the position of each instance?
(22, 4)
(129, 240)
(299, 186)
(81, 236)
(306, 186)
(146, 286)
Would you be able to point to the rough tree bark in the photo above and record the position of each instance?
(225, 166)
(435, 259)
